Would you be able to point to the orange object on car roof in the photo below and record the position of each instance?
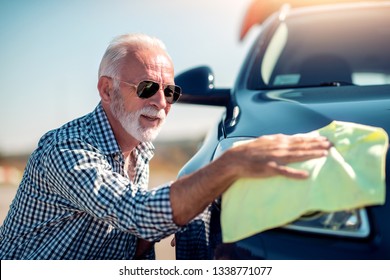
(259, 10)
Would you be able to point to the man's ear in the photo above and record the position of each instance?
(105, 88)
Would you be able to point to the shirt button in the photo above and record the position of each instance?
(116, 157)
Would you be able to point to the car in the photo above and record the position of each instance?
(308, 67)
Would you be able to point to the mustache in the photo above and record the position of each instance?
(153, 112)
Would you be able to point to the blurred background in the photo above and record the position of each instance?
(50, 52)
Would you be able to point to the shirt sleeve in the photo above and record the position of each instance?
(84, 177)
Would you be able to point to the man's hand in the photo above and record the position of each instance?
(264, 157)
(268, 155)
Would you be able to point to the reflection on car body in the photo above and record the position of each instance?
(308, 67)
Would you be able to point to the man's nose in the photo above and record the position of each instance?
(158, 100)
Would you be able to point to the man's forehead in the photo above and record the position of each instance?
(150, 58)
(148, 63)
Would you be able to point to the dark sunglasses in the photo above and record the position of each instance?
(146, 89)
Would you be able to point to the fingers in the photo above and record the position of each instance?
(297, 149)
(288, 171)
(293, 142)
(309, 143)
(301, 147)
(291, 156)
(269, 155)
(173, 242)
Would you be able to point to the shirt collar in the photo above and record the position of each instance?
(106, 140)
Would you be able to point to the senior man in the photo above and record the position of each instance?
(84, 191)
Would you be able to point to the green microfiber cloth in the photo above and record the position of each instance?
(351, 176)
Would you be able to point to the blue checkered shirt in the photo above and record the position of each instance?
(76, 200)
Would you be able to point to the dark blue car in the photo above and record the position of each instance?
(308, 67)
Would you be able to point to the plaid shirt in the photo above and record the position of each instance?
(199, 239)
(76, 200)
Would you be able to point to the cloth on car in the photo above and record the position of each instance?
(351, 176)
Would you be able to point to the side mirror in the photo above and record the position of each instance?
(198, 88)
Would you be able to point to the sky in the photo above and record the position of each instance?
(51, 49)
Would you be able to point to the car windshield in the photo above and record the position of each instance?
(327, 48)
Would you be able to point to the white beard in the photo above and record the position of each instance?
(130, 121)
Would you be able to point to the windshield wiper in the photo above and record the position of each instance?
(336, 84)
(323, 84)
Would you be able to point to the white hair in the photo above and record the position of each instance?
(122, 45)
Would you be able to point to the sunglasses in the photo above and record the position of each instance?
(146, 89)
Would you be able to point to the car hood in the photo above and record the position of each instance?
(302, 110)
